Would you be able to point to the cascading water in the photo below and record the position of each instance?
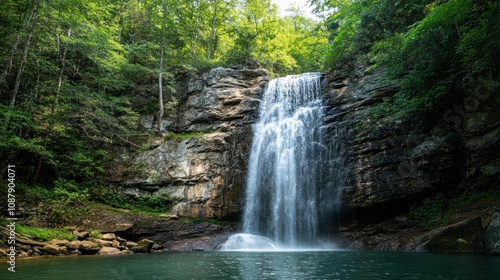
(285, 168)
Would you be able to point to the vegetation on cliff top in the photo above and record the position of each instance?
(436, 50)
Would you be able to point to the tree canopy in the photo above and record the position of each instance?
(76, 75)
(435, 50)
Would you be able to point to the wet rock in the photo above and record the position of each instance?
(63, 250)
(157, 246)
(143, 246)
(492, 235)
(463, 237)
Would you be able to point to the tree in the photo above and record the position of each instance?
(160, 74)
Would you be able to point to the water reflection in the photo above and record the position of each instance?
(260, 265)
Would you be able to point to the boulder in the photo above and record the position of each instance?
(103, 243)
(82, 235)
(492, 235)
(89, 247)
(50, 249)
(109, 251)
(143, 246)
(121, 239)
(59, 242)
(63, 250)
(73, 245)
(23, 254)
(157, 246)
(108, 236)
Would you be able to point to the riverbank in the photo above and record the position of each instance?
(111, 231)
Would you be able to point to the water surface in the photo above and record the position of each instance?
(260, 265)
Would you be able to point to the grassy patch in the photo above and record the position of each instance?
(184, 135)
(212, 221)
(153, 204)
(45, 234)
(97, 234)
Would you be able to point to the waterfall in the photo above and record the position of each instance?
(285, 168)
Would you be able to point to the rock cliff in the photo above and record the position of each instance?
(201, 162)
(381, 165)
(390, 165)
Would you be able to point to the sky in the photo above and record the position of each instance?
(284, 4)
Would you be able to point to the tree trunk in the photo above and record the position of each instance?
(195, 38)
(9, 59)
(160, 75)
(17, 84)
(54, 105)
(212, 33)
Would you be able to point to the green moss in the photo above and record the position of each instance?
(184, 135)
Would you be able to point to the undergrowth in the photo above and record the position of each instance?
(435, 212)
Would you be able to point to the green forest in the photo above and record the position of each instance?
(77, 74)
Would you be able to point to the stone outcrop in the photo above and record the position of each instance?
(389, 165)
(204, 173)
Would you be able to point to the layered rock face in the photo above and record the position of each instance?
(390, 165)
(387, 161)
(203, 170)
(382, 166)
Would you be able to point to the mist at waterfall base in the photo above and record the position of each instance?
(288, 203)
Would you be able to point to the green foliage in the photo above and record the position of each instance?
(45, 234)
(434, 50)
(97, 234)
(68, 203)
(76, 75)
(179, 137)
(430, 214)
(435, 212)
(155, 204)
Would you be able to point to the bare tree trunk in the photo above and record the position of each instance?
(54, 105)
(160, 75)
(9, 59)
(122, 11)
(17, 84)
(212, 33)
(195, 39)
